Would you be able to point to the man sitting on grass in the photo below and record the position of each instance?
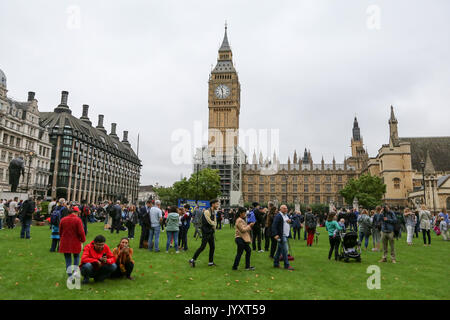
(97, 261)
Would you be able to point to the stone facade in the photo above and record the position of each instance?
(22, 136)
(399, 165)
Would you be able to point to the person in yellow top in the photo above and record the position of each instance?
(243, 240)
(208, 221)
(124, 260)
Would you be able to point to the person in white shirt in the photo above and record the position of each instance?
(12, 213)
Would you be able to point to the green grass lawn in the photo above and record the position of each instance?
(29, 271)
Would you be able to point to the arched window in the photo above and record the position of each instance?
(448, 203)
(396, 183)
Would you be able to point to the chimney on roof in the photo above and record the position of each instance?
(85, 117)
(63, 107)
(64, 96)
(113, 130)
(125, 138)
(31, 95)
(100, 123)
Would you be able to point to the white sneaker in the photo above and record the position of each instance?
(261, 251)
(177, 251)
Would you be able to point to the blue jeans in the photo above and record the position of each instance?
(25, 232)
(88, 271)
(281, 250)
(68, 258)
(171, 234)
(361, 236)
(1, 223)
(154, 231)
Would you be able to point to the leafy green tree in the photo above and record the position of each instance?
(204, 185)
(368, 189)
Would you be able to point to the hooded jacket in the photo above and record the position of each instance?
(90, 255)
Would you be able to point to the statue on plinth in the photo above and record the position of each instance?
(16, 168)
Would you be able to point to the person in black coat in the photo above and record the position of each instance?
(26, 216)
(144, 222)
(116, 215)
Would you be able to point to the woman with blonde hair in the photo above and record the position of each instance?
(425, 224)
(410, 220)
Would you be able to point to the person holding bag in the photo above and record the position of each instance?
(243, 240)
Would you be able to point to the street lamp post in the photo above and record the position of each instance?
(31, 154)
(422, 165)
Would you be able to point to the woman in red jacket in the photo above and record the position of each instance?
(72, 236)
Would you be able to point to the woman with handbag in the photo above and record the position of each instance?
(243, 240)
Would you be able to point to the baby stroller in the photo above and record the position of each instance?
(349, 246)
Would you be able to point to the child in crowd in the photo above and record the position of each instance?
(342, 224)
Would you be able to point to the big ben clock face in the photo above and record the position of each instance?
(222, 91)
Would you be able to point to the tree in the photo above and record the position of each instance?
(368, 189)
(202, 185)
(166, 195)
(205, 184)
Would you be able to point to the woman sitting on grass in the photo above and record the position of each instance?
(124, 260)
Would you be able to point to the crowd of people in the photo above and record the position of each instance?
(255, 227)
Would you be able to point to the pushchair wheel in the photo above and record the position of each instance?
(346, 259)
(358, 259)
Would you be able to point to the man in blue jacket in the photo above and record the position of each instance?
(387, 232)
(280, 231)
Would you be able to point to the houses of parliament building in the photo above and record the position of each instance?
(404, 165)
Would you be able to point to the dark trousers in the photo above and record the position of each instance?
(128, 270)
(131, 227)
(219, 224)
(182, 237)
(145, 233)
(256, 235)
(88, 271)
(206, 239)
(426, 232)
(305, 235)
(115, 225)
(241, 246)
(273, 246)
(334, 245)
(266, 239)
(55, 245)
(68, 258)
(297, 232)
(10, 221)
(85, 221)
(354, 226)
(25, 232)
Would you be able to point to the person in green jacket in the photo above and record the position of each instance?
(332, 227)
(172, 228)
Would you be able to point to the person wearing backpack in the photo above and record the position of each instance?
(26, 213)
(208, 232)
(311, 225)
(387, 233)
(365, 226)
(55, 220)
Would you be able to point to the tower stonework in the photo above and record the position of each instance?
(224, 95)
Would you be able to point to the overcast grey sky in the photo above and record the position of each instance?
(305, 67)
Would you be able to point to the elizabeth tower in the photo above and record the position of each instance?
(224, 96)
